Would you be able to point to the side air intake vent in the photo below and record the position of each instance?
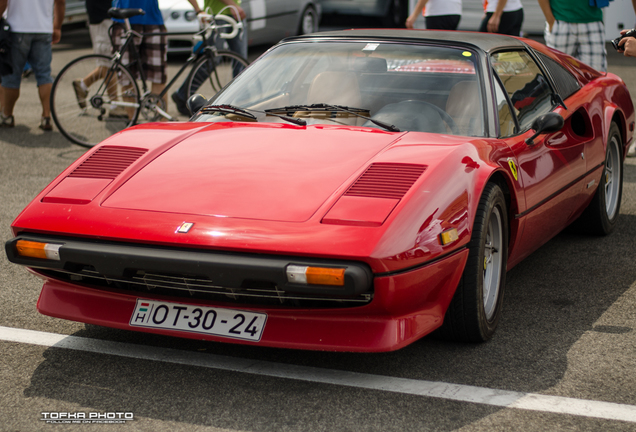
(108, 162)
(386, 180)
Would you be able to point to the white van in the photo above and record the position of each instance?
(75, 12)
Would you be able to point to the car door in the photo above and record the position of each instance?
(551, 169)
(269, 20)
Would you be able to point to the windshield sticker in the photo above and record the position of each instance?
(371, 47)
(467, 54)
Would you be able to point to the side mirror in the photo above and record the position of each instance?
(195, 103)
(550, 122)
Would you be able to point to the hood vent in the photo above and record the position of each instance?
(108, 162)
(386, 180)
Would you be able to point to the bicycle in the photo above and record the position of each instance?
(115, 102)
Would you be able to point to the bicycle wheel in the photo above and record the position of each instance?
(108, 105)
(213, 72)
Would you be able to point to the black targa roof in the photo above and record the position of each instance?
(484, 41)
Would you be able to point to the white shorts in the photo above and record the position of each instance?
(100, 39)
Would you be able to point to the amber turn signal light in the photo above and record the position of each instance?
(449, 236)
(40, 250)
(315, 275)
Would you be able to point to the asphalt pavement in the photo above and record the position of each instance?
(568, 332)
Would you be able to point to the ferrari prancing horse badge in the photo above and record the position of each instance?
(185, 227)
(513, 168)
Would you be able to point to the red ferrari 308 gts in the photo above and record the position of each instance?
(348, 191)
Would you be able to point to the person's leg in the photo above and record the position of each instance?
(44, 91)
(442, 22)
(483, 27)
(511, 23)
(154, 57)
(516, 22)
(592, 45)
(101, 72)
(40, 57)
(11, 96)
(96, 74)
(562, 37)
(20, 45)
(181, 94)
(100, 40)
(238, 44)
(157, 88)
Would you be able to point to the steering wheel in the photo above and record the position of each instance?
(411, 115)
(445, 116)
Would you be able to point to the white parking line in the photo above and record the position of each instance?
(462, 393)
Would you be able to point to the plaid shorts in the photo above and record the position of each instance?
(585, 41)
(152, 51)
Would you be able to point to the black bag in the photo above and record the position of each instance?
(6, 67)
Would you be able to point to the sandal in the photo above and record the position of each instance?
(45, 124)
(6, 122)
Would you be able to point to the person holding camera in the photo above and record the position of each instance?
(626, 43)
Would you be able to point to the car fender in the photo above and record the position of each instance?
(618, 108)
(613, 114)
(436, 205)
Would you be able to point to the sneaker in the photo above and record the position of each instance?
(80, 93)
(45, 124)
(6, 122)
(631, 152)
(118, 112)
(181, 105)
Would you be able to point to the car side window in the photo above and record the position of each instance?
(527, 88)
(507, 125)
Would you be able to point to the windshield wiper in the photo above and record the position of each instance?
(231, 109)
(228, 109)
(328, 107)
(297, 121)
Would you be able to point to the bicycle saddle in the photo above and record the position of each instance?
(124, 13)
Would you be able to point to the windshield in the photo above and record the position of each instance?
(387, 85)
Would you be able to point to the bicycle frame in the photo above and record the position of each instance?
(128, 44)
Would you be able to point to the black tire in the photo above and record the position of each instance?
(308, 21)
(211, 73)
(89, 120)
(600, 216)
(475, 309)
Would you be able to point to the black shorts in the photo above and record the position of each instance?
(510, 23)
(442, 22)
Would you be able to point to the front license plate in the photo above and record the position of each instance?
(231, 323)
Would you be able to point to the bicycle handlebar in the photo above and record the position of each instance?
(236, 26)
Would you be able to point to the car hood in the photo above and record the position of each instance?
(275, 172)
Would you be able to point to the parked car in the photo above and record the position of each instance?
(268, 21)
(349, 191)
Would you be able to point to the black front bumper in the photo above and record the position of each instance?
(194, 270)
